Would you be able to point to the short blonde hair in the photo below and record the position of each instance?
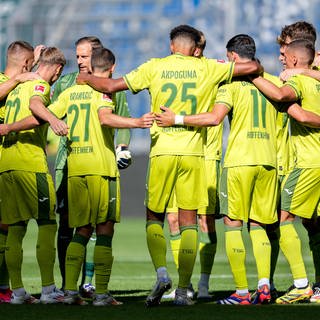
(52, 55)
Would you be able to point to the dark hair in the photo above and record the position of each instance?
(297, 30)
(102, 58)
(243, 45)
(185, 31)
(303, 45)
(94, 42)
(202, 43)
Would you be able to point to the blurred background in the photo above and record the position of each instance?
(136, 30)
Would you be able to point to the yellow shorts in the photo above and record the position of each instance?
(27, 195)
(213, 170)
(300, 192)
(93, 200)
(183, 176)
(249, 192)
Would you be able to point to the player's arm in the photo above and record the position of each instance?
(207, 119)
(101, 84)
(303, 116)
(288, 73)
(245, 68)
(10, 84)
(39, 110)
(109, 119)
(279, 94)
(123, 154)
(23, 124)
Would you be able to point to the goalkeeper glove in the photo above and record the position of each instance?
(123, 157)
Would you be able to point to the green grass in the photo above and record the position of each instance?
(133, 276)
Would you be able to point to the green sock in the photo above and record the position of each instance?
(89, 264)
(74, 261)
(14, 254)
(46, 252)
(156, 244)
(187, 254)
(4, 275)
(103, 260)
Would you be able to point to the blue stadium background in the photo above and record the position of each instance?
(136, 30)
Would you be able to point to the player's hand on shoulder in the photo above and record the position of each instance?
(82, 78)
(123, 156)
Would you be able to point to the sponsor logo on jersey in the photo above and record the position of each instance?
(39, 88)
(106, 97)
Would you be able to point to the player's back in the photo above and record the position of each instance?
(90, 146)
(184, 84)
(252, 138)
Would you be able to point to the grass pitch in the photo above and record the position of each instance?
(133, 276)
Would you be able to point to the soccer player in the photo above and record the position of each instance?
(249, 175)
(183, 83)
(206, 216)
(84, 47)
(285, 154)
(20, 59)
(93, 173)
(300, 191)
(26, 179)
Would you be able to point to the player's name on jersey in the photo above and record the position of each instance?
(183, 74)
(86, 149)
(80, 95)
(258, 135)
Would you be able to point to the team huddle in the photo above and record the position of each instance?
(270, 172)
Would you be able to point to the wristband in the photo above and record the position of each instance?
(178, 119)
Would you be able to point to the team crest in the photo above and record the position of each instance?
(39, 88)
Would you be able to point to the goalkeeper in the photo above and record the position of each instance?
(84, 47)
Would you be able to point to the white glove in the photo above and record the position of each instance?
(123, 157)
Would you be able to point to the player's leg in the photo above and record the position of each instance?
(300, 195)
(160, 181)
(65, 233)
(207, 251)
(191, 194)
(104, 194)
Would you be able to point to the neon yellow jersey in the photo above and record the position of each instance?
(252, 137)
(25, 150)
(3, 78)
(90, 145)
(184, 84)
(306, 141)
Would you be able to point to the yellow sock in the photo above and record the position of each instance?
(175, 240)
(207, 250)
(261, 251)
(290, 245)
(187, 254)
(236, 253)
(156, 244)
(74, 261)
(103, 260)
(46, 252)
(14, 254)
